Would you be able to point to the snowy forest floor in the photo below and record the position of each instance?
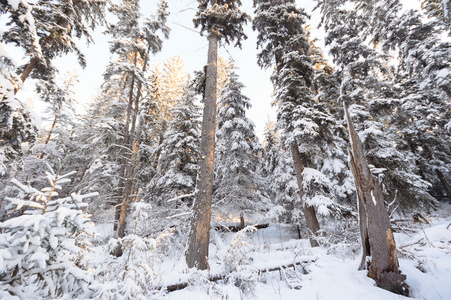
(326, 272)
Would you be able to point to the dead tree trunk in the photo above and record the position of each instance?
(182, 285)
(384, 267)
(363, 220)
(199, 237)
(309, 211)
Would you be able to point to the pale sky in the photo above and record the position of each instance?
(193, 49)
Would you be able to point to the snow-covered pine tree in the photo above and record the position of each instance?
(96, 152)
(61, 109)
(284, 187)
(41, 251)
(132, 44)
(238, 185)
(423, 75)
(222, 20)
(422, 80)
(18, 125)
(366, 85)
(166, 87)
(57, 24)
(307, 128)
(180, 152)
(174, 79)
(271, 147)
(440, 10)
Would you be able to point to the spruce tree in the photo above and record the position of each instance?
(132, 43)
(42, 250)
(180, 152)
(57, 25)
(367, 86)
(18, 125)
(307, 128)
(238, 184)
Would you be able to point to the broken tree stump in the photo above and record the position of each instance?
(377, 236)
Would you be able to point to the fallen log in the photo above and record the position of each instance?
(218, 277)
(236, 228)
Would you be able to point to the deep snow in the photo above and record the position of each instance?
(424, 257)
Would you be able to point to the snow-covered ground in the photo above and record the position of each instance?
(425, 258)
(327, 272)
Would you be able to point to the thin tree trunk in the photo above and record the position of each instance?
(133, 147)
(384, 267)
(417, 162)
(199, 237)
(158, 152)
(124, 156)
(48, 137)
(444, 182)
(33, 62)
(309, 211)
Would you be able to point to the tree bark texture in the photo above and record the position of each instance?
(309, 211)
(363, 221)
(384, 267)
(199, 237)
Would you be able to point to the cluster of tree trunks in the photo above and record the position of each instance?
(377, 236)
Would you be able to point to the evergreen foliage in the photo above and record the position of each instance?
(238, 184)
(223, 17)
(42, 249)
(180, 150)
(369, 86)
(49, 30)
(304, 122)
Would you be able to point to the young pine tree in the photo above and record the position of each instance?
(41, 251)
(238, 185)
(180, 152)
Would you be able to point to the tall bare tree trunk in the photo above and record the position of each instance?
(384, 267)
(199, 237)
(132, 146)
(309, 211)
(124, 156)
